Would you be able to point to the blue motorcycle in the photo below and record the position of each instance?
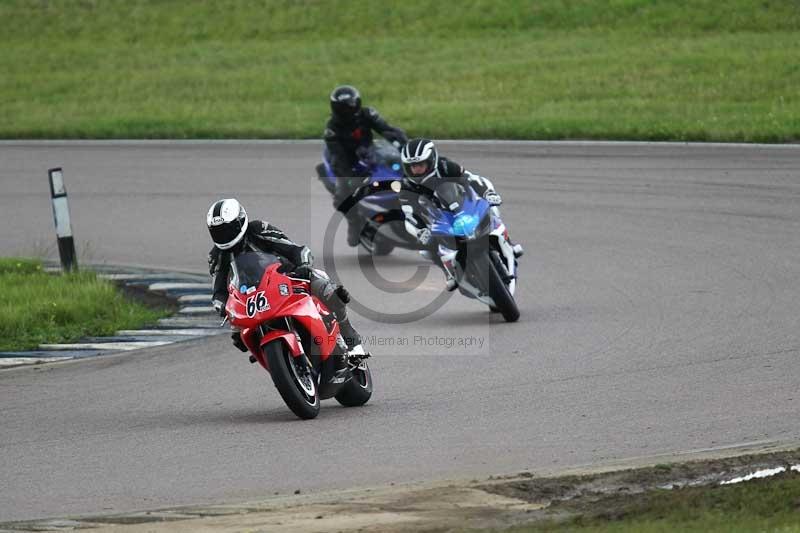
(473, 245)
(377, 205)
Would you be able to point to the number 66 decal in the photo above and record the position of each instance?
(257, 303)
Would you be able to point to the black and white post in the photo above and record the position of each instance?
(66, 245)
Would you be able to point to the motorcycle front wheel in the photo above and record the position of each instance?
(498, 290)
(295, 382)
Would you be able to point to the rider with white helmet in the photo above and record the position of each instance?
(424, 170)
(233, 233)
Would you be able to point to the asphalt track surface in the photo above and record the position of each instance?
(660, 300)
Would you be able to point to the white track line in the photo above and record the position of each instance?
(122, 346)
(196, 310)
(17, 361)
(132, 277)
(194, 298)
(167, 286)
(197, 332)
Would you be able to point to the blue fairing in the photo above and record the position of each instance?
(378, 172)
(461, 223)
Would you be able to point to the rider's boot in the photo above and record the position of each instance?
(518, 250)
(450, 282)
(355, 350)
(353, 228)
(446, 262)
(236, 337)
(351, 338)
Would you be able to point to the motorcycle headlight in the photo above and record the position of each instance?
(464, 225)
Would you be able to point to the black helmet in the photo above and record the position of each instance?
(345, 101)
(417, 152)
(227, 223)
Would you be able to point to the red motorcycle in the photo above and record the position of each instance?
(293, 335)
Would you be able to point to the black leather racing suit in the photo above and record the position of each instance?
(264, 237)
(343, 139)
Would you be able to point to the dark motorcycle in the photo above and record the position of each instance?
(375, 200)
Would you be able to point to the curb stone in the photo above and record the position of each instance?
(191, 320)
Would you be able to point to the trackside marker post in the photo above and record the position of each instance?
(66, 244)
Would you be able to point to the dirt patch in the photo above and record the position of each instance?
(607, 495)
(152, 299)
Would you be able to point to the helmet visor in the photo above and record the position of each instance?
(226, 234)
(418, 169)
(346, 108)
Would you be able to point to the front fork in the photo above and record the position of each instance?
(507, 254)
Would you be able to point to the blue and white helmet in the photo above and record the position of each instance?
(417, 152)
(227, 223)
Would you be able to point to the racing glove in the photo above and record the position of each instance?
(396, 138)
(424, 236)
(219, 307)
(493, 198)
(303, 271)
(342, 293)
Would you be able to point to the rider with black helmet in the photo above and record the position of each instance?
(348, 130)
(424, 170)
(233, 233)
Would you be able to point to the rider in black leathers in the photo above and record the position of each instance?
(424, 170)
(232, 234)
(348, 134)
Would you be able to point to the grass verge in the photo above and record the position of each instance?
(37, 307)
(550, 69)
(669, 497)
(758, 505)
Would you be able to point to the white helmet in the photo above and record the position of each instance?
(227, 223)
(416, 153)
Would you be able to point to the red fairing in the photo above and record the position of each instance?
(277, 336)
(275, 298)
(290, 339)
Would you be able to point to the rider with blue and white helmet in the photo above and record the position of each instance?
(424, 170)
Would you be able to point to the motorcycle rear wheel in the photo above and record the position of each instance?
(381, 246)
(296, 386)
(358, 390)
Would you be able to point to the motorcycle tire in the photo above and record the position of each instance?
(358, 390)
(499, 292)
(302, 397)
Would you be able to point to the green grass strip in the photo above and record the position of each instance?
(760, 505)
(37, 307)
(548, 69)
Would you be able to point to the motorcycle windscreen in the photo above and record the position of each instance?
(462, 211)
(452, 195)
(250, 267)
